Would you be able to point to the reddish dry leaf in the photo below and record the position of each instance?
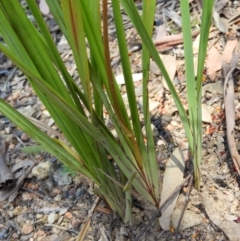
(214, 61)
(228, 50)
(230, 108)
(161, 31)
(27, 228)
(171, 67)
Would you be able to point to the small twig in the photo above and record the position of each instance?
(158, 212)
(185, 206)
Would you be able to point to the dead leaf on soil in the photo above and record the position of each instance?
(161, 31)
(219, 5)
(25, 168)
(207, 113)
(173, 175)
(229, 104)
(190, 219)
(171, 67)
(7, 179)
(214, 64)
(228, 50)
(196, 44)
(231, 229)
(219, 23)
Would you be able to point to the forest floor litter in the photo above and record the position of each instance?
(50, 203)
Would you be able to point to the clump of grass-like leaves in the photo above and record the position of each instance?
(89, 143)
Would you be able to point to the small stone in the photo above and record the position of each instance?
(40, 232)
(62, 178)
(27, 228)
(8, 130)
(153, 105)
(17, 211)
(53, 237)
(41, 171)
(50, 122)
(206, 113)
(76, 223)
(24, 137)
(42, 107)
(52, 218)
(46, 113)
(11, 147)
(64, 236)
(27, 196)
(10, 213)
(154, 130)
(39, 216)
(68, 215)
(215, 88)
(33, 186)
(15, 236)
(154, 68)
(161, 143)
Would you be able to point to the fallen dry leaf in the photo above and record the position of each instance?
(161, 31)
(213, 64)
(196, 44)
(190, 219)
(26, 167)
(229, 105)
(226, 57)
(207, 113)
(174, 168)
(171, 67)
(219, 23)
(7, 179)
(228, 50)
(27, 228)
(231, 229)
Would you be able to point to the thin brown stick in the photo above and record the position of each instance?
(185, 206)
